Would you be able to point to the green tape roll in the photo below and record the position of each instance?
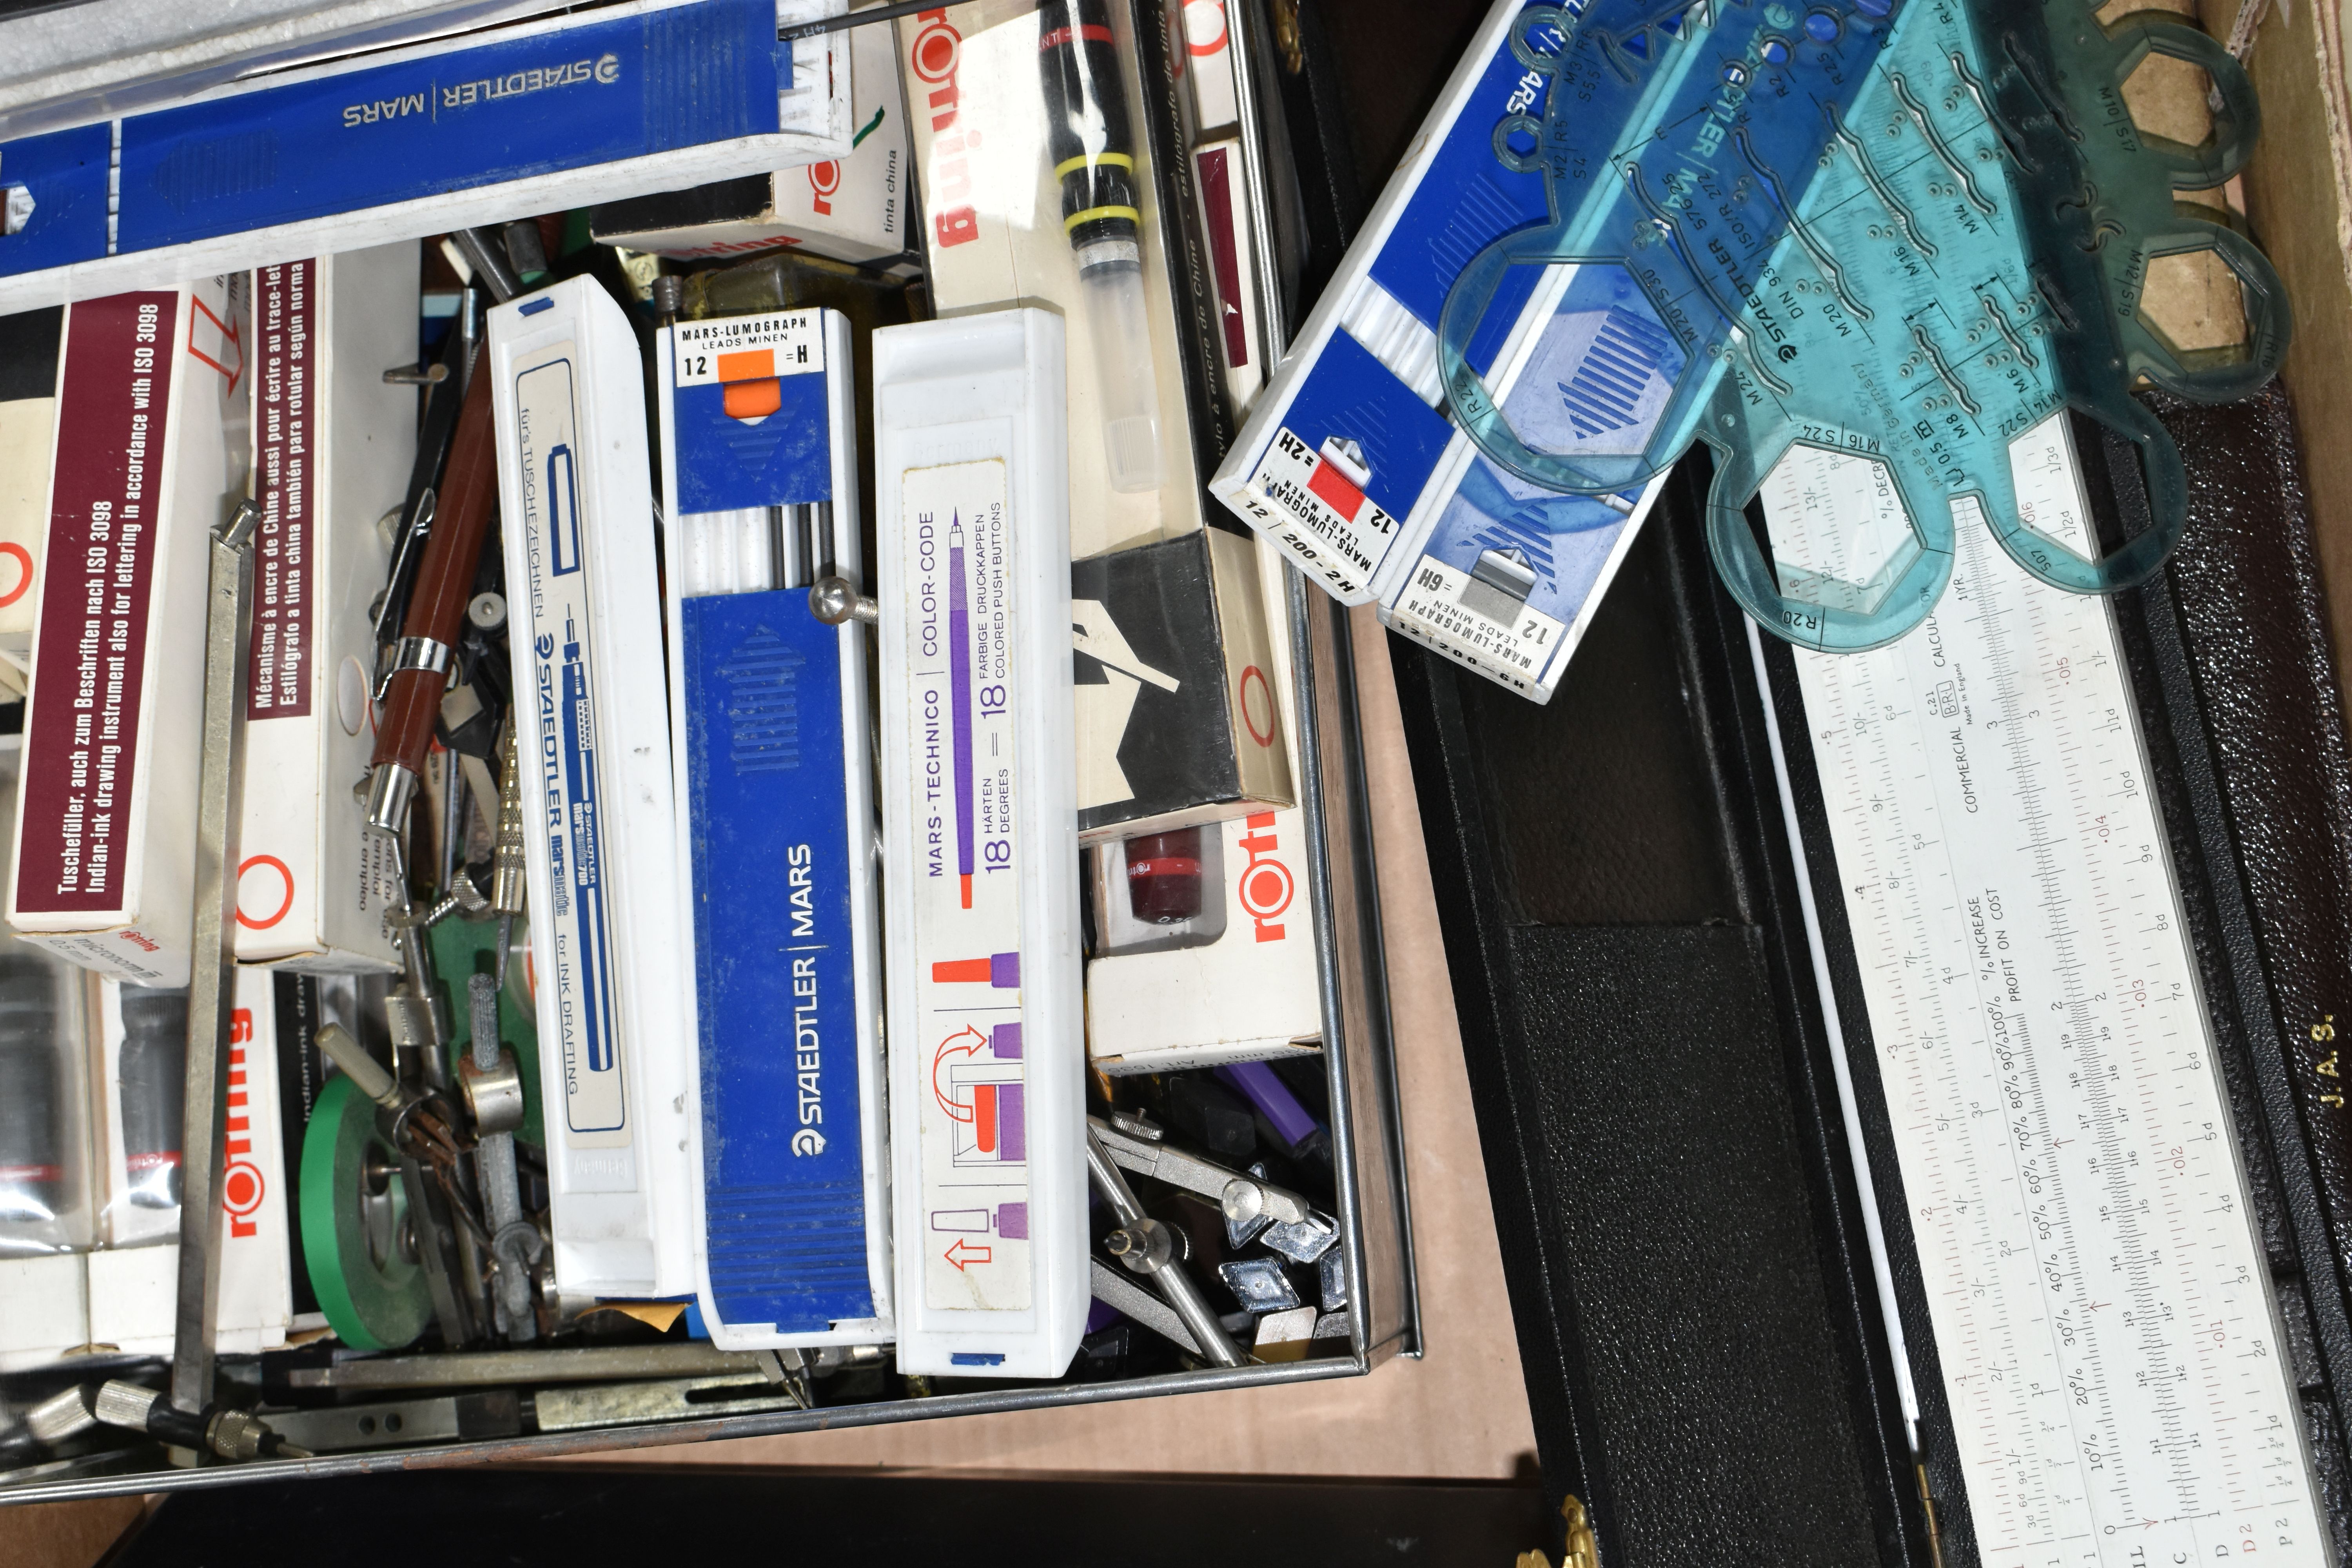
(371, 1306)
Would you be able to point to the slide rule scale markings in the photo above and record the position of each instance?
(2109, 1345)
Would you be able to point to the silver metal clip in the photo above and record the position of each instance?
(428, 654)
(1145, 1248)
(212, 971)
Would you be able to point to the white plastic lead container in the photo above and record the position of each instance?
(980, 830)
(575, 491)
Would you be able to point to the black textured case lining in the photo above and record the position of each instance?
(2246, 584)
(1688, 1269)
(28, 353)
(1668, 1163)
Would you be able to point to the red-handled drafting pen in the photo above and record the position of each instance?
(410, 700)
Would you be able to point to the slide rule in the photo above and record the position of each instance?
(2101, 1309)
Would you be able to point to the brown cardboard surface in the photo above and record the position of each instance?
(1460, 1412)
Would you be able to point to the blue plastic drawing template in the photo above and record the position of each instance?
(1963, 259)
(1658, 117)
(1977, 255)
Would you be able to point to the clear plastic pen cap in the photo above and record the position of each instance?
(1112, 273)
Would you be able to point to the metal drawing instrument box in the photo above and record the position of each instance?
(623, 1063)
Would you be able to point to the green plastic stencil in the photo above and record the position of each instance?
(1963, 261)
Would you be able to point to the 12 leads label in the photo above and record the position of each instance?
(746, 348)
(1481, 625)
(1319, 512)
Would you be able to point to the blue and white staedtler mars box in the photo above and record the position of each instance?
(1349, 462)
(536, 116)
(776, 831)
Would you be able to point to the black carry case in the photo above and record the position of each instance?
(1705, 1356)
(1705, 1351)
(1672, 1183)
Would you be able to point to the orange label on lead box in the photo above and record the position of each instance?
(747, 365)
(1305, 503)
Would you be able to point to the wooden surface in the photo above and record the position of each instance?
(2296, 205)
(65, 1534)
(1458, 1412)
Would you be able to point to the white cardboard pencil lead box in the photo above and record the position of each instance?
(332, 443)
(150, 454)
(851, 208)
(1241, 987)
(1240, 981)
